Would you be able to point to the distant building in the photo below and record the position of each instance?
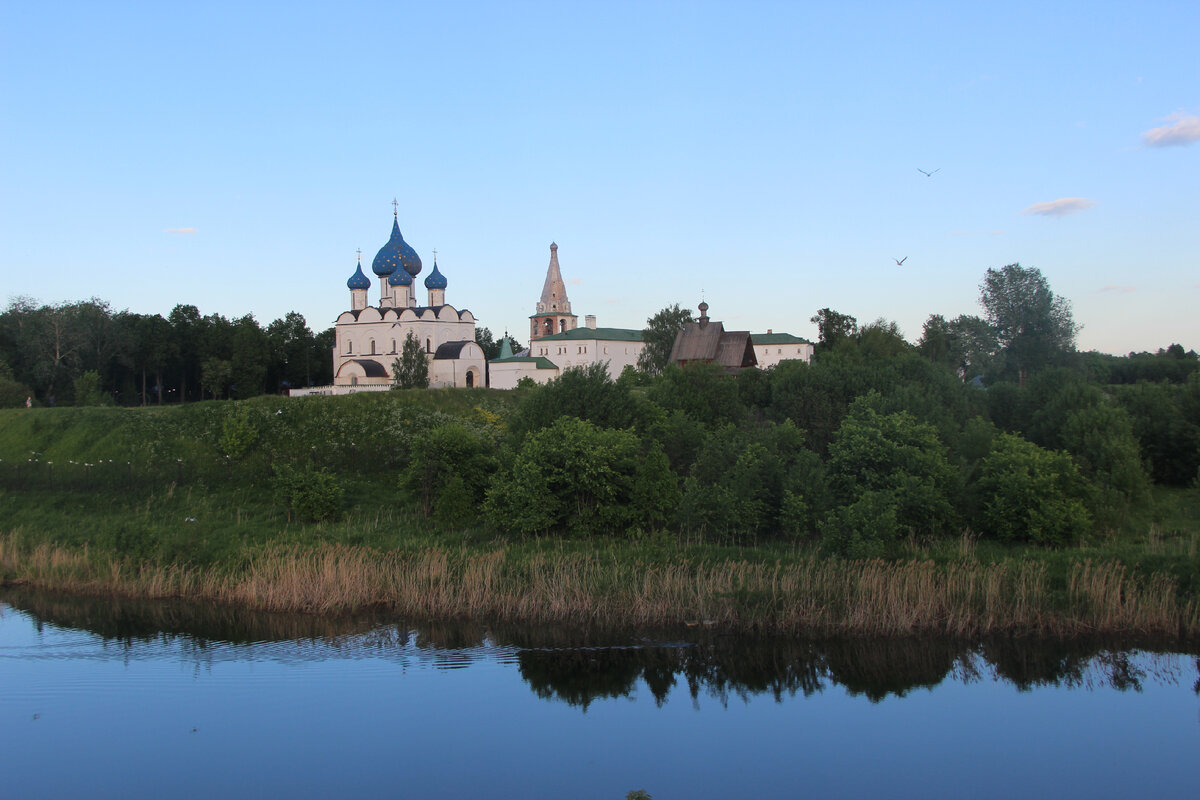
(556, 344)
(707, 342)
(370, 338)
(771, 348)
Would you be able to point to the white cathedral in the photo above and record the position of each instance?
(369, 338)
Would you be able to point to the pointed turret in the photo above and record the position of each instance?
(554, 309)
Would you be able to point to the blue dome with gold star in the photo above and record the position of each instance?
(396, 255)
(358, 280)
(436, 280)
(399, 278)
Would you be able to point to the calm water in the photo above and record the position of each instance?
(110, 699)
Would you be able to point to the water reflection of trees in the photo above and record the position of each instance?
(580, 667)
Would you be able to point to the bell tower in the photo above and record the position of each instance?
(554, 309)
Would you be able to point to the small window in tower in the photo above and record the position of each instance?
(350, 347)
(428, 345)
(372, 347)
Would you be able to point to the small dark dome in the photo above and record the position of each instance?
(396, 254)
(358, 280)
(436, 279)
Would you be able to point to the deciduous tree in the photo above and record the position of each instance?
(659, 335)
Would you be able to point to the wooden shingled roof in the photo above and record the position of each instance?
(708, 342)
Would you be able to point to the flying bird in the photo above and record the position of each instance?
(927, 174)
(900, 261)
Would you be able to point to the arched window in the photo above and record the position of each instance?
(428, 345)
(470, 378)
(393, 345)
(562, 325)
(350, 347)
(549, 327)
(372, 347)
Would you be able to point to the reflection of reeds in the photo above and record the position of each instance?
(815, 596)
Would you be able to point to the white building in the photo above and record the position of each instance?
(556, 344)
(771, 348)
(370, 338)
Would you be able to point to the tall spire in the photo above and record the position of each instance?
(554, 292)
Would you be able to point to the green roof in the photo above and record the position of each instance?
(777, 338)
(602, 334)
(540, 361)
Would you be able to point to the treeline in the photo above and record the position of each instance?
(1007, 433)
(857, 450)
(86, 353)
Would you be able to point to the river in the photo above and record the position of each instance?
(107, 698)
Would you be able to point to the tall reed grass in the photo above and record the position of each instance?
(816, 597)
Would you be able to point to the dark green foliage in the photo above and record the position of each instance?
(579, 479)
(1029, 494)
(582, 392)
(659, 337)
(1034, 328)
(88, 391)
(863, 528)
(13, 394)
(310, 495)
(1166, 422)
(896, 457)
(704, 392)
(448, 472)
(411, 369)
(1171, 364)
(832, 328)
(753, 481)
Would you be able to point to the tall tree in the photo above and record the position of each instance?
(1033, 327)
(833, 327)
(658, 337)
(411, 369)
(185, 331)
(291, 352)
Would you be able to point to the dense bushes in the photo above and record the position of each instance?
(860, 452)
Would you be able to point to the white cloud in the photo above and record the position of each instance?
(1184, 129)
(181, 230)
(1118, 289)
(574, 281)
(1060, 207)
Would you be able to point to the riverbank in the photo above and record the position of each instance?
(809, 596)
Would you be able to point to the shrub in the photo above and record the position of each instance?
(577, 478)
(448, 472)
(310, 495)
(895, 455)
(1031, 495)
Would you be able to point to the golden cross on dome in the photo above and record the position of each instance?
(435, 255)
(359, 251)
(395, 207)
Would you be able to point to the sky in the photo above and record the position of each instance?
(765, 157)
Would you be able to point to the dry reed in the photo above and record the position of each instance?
(813, 596)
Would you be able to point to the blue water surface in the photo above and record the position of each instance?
(380, 713)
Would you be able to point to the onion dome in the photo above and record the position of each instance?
(399, 278)
(436, 280)
(358, 280)
(396, 254)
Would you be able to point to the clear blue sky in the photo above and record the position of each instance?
(234, 156)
